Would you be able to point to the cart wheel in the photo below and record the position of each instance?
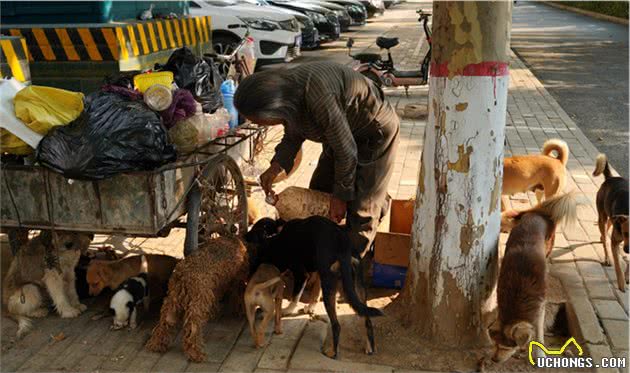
(217, 204)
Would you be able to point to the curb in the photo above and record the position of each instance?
(602, 17)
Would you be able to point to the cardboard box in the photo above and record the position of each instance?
(401, 216)
(392, 249)
(386, 276)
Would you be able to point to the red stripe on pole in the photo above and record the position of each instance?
(490, 68)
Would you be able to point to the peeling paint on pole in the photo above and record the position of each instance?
(456, 222)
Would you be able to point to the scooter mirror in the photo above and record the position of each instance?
(350, 42)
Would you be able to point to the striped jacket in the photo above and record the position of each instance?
(342, 110)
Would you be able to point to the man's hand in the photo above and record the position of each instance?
(337, 209)
(267, 177)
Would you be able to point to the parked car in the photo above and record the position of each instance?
(373, 7)
(355, 9)
(326, 21)
(277, 35)
(342, 14)
(310, 35)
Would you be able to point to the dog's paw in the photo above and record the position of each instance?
(329, 352)
(538, 353)
(82, 307)
(69, 312)
(195, 355)
(277, 331)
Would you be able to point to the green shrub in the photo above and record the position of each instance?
(611, 8)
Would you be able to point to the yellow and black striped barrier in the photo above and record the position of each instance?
(112, 42)
(14, 59)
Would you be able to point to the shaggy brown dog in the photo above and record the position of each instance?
(195, 289)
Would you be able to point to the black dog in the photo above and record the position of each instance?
(315, 244)
(612, 208)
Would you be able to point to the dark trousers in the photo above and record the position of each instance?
(373, 173)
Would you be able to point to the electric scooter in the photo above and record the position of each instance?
(383, 72)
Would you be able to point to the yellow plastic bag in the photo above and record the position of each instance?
(41, 108)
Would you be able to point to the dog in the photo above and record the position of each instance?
(219, 267)
(522, 278)
(258, 235)
(126, 299)
(612, 209)
(265, 291)
(43, 269)
(317, 244)
(540, 173)
(103, 274)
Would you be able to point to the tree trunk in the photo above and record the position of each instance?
(453, 267)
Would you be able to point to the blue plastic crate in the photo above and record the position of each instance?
(388, 276)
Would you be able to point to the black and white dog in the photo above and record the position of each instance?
(131, 293)
(315, 244)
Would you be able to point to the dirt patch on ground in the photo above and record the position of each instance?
(400, 347)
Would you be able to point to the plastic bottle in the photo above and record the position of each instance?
(248, 54)
(228, 88)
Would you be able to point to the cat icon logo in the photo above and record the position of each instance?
(550, 352)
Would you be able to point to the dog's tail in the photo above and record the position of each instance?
(560, 209)
(266, 284)
(560, 147)
(601, 166)
(347, 279)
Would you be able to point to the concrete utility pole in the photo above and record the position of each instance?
(453, 267)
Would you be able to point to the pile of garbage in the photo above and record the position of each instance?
(136, 121)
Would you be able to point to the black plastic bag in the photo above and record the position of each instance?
(113, 135)
(200, 76)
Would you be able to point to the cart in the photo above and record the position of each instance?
(202, 191)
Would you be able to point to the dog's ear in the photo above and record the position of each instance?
(522, 333)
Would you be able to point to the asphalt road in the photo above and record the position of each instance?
(583, 63)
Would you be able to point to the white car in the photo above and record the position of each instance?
(276, 34)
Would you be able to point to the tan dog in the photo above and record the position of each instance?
(43, 268)
(103, 274)
(264, 290)
(540, 173)
(522, 278)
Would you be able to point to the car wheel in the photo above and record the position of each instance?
(224, 44)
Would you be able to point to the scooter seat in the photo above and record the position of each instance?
(386, 43)
(367, 57)
(407, 74)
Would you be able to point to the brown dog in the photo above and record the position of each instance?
(44, 269)
(522, 278)
(264, 290)
(103, 274)
(540, 173)
(612, 209)
(198, 283)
